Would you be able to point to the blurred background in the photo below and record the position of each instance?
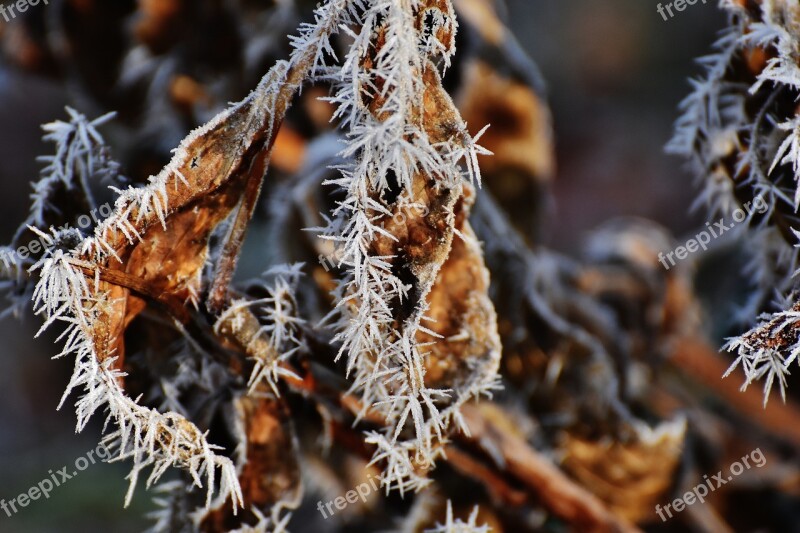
(614, 71)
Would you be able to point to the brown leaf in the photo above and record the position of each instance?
(632, 477)
(269, 467)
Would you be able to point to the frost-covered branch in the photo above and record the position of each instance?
(768, 350)
(743, 141)
(270, 334)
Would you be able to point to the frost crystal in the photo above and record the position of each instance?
(459, 526)
(79, 157)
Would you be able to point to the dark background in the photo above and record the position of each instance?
(615, 72)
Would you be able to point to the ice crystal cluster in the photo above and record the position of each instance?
(80, 158)
(149, 438)
(740, 129)
(390, 148)
(457, 525)
(405, 149)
